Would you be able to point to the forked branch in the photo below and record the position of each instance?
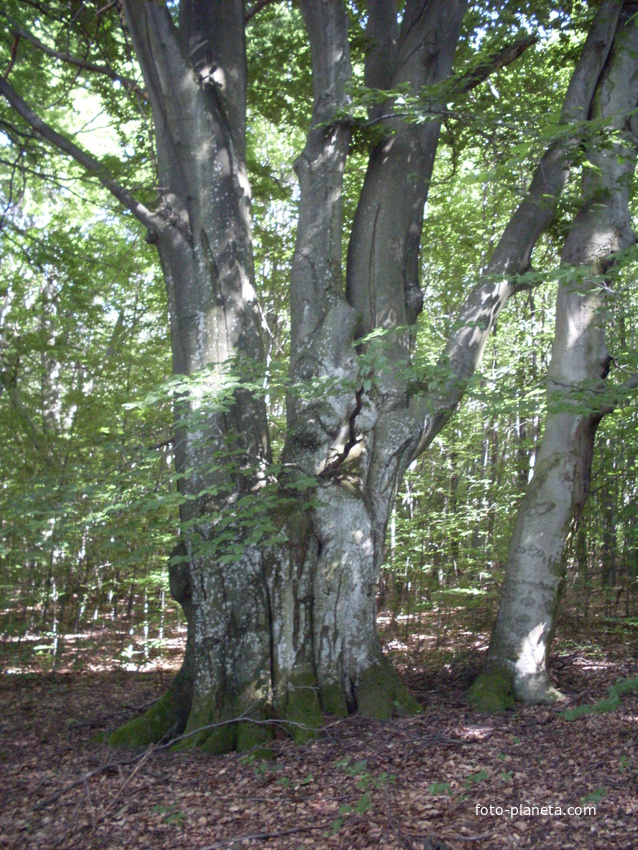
(151, 221)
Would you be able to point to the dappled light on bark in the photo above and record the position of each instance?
(549, 513)
(312, 365)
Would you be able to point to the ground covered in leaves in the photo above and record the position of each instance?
(449, 778)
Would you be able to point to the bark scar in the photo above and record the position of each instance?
(337, 459)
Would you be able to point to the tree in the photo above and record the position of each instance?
(600, 237)
(83, 332)
(281, 613)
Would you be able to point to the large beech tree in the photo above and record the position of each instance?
(286, 627)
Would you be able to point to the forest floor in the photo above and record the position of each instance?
(448, 778)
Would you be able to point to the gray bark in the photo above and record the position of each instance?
(577, 375)
(294, 627)
(358, 441)
(334, 438)
(196, 79)
(412, 420)
(512, 256)
(297, 625)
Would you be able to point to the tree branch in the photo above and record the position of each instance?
(128, 84)
(501, 59)
(14, 51)
(382, 34)
(621, 390)
(106, 7)
(316, 264)
(462, 84)
(267, 836)
(92, 165)
(256, 7)
(512, 255)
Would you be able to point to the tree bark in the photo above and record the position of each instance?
(327, 637)
(196, 81)
(291, 628)
(549, 512)
(361, 436)
(300, 633)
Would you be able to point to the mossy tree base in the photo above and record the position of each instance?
(381, 694)
(167, 718)
(239, 723)
(205, 730)
(495, 690)
(492, 691)
(299, 707)
(249, 725)
(158, 722)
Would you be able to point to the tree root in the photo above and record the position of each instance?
(496, 689)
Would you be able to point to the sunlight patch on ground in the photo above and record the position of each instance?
(99, 651)
(589, 664)
(397, 646)
(475, 733)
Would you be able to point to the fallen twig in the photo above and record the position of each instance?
(403, 840)
(87, 791)
(84, 778)
(118, 794)
(128, 709)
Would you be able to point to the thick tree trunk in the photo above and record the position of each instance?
(325, 611)
(548, 514)
(195, 79)
(293, 629)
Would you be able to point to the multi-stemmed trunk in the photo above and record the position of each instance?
(549, 513)
(288, 629)
(291, 628)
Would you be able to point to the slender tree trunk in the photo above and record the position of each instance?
(549, 512)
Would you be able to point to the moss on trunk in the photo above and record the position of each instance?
(158, 722)
(237, 724)
(299, 707)
(382, 695)
(492, 691)
(333, 699)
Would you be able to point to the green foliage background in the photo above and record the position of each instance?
(88, 508)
